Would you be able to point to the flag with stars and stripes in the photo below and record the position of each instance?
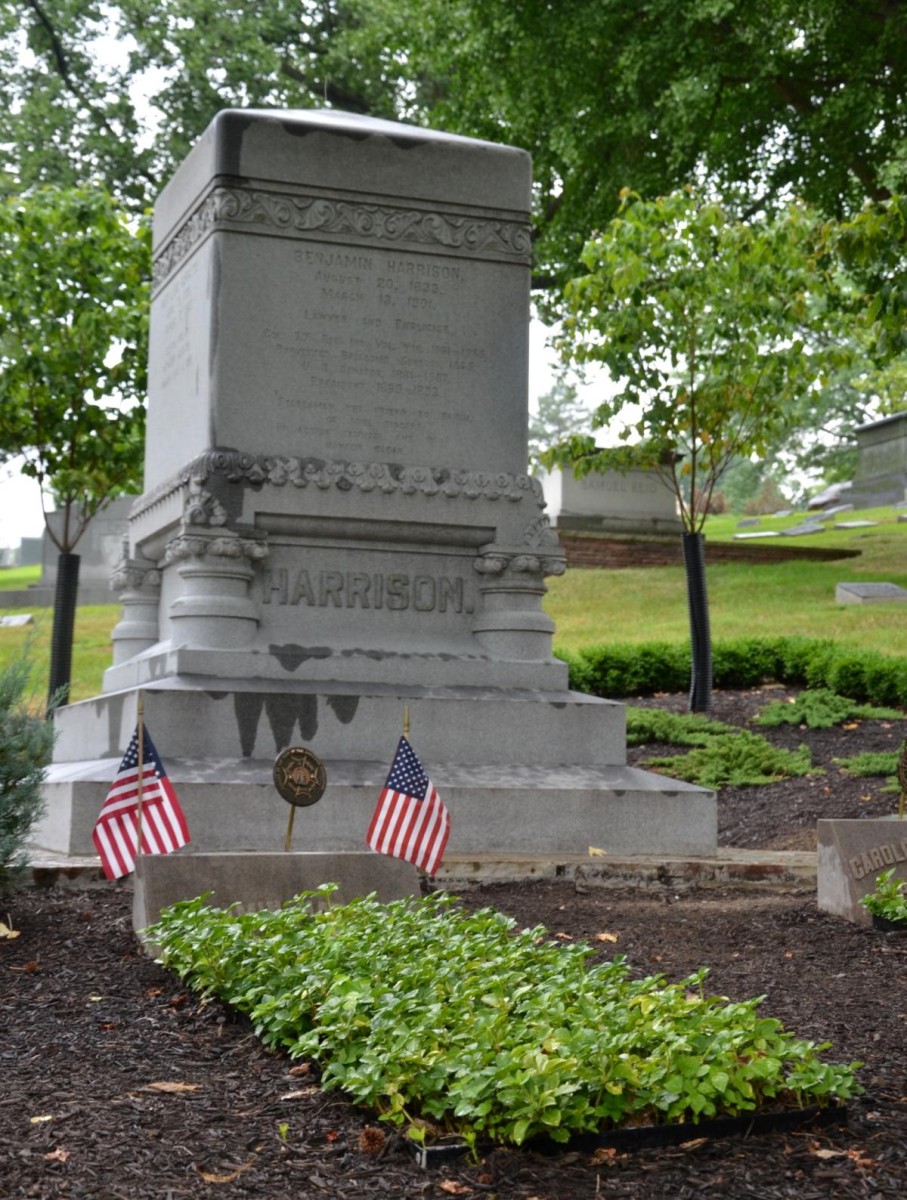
(410, 820)
(164, 827)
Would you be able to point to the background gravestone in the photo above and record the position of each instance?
(881, 475)
(337, 516)
(631, 502)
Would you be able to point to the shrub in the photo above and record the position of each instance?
(645, 725)
(880, 762)
(26, 742)
(820, 708)
(624, 670)
(736, 760)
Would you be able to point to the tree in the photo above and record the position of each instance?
(703, 323)
(74, 279)
(560, 413)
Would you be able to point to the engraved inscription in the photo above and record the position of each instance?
(382, 346)
(877, 858)
(395, 591)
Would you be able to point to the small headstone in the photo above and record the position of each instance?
(783, 512)
(835, 510)
(870, 593)
(17, 621)
(803, 530)
(748, 522)
(850, 855)
(855, 524)
(759, 533)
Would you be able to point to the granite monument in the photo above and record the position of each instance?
(337, 517)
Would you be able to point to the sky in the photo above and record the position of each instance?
(20, 499)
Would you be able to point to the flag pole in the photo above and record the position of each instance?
(140, 731)
(406, 721)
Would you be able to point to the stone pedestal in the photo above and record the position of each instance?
(337, 510)
(881, 476)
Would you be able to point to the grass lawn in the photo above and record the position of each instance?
(592, 606)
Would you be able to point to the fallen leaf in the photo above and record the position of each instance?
(694, 1144)
(825, 1154)
(788, 954)
(302, 1069)
(300, 1094)
(564, 937)
(39, 1120)
(6, 932)
(171, 1088)
(851, 725)
(95, 999)
(30, 967)
(453, 1188)
(152, 992)
(604, 1154)
(607, 937)
(331, 1136)
(594, 852)
(57, 1155)
(858, 1158)
(210, 1178)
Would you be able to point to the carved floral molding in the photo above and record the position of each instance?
(282, 471)
(386, 226)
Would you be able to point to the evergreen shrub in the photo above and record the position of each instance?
(26, 742)
(622, 670)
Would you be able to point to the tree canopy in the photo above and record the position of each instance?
(767, 102)
(74, 277)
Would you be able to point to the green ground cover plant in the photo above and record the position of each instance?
(889, 899)
(741, 759)
(646, 725)
(442, 1020)
(883, 762)
(821, 708)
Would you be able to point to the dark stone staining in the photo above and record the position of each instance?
(291, 657)
(557, 703)
(343, 707)
(247, 706)
(217, 695)
(283, 714)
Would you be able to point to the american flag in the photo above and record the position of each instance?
(164, 827)
(410, 820)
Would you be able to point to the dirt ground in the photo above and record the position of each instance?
(117, 1085)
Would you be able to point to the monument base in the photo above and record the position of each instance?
(850, 855)
(520, 772)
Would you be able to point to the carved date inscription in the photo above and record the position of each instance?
(380, 345)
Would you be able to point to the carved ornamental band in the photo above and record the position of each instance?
(308, 217)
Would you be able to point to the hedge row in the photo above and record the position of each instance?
(616, 671)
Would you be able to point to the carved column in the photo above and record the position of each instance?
(510, 623)
(213, 607)
(138, 582)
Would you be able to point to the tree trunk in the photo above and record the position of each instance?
(64, 624)
(700, 632)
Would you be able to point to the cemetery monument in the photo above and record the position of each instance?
(337, 518)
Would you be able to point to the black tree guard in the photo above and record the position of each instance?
(700, 632)
(64, 624)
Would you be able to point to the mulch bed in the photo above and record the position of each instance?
(91, 1029)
